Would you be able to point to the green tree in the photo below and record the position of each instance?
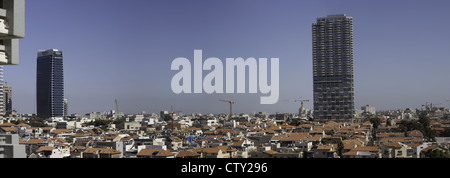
(422, 124)
(375, 121)
(437, 153)
(35, 121)
(388, 122)
(167, 118)
(426, 129)
(340, 148)
(425, 121)
(445, 133)
(294, 122)
(331, 132)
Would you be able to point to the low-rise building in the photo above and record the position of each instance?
(155, 153)
(10, 147)
(322, 152)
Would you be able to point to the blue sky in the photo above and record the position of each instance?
(124, 51)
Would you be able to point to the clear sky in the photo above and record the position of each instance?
(124, 49)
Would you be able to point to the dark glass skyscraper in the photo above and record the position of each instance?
(50, 84)
(333, 68)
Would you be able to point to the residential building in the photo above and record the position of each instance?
(53, 152)
(155, 153)
(187, 154)
(332, 38)
(322, 152)
(12, 28)
(91, 153)
(10, 147)
(132, 126)
(116, 145)
(363, 152)
(173, 143)
(50, 84)
(369, 109)
(7, 96)
(109, 153)
(396, 150)
(216, 152)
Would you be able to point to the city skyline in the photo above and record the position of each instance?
(400, 54)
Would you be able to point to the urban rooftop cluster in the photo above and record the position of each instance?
(409, 133)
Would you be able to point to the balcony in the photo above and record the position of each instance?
(4, 28)
(3, 56)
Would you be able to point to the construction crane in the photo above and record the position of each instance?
(301, 101)
(231, 106)
(301, 107)
(171, 114)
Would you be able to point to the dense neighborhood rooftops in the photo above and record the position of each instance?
(252, 137)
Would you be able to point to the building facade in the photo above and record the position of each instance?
(2, 95)
(333, 68)
(66, 108)
(5, 97)
(12, 28)
(50, 84)
(369, 109)
(10, 147)
(7, 93)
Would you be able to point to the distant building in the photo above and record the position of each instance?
(163, 114)
(369, 109)
(7, 95)
(50, 84)
(66, 108)
(333, 68)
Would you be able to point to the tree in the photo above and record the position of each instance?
(425, 121)
(375, 121)
(436, 153)
(294, 122)
(340, 148)
(167, 118)
(426, 129)
(445, 133)
(37, 122)
(331, 132)
(388, 122)
(423, 125)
